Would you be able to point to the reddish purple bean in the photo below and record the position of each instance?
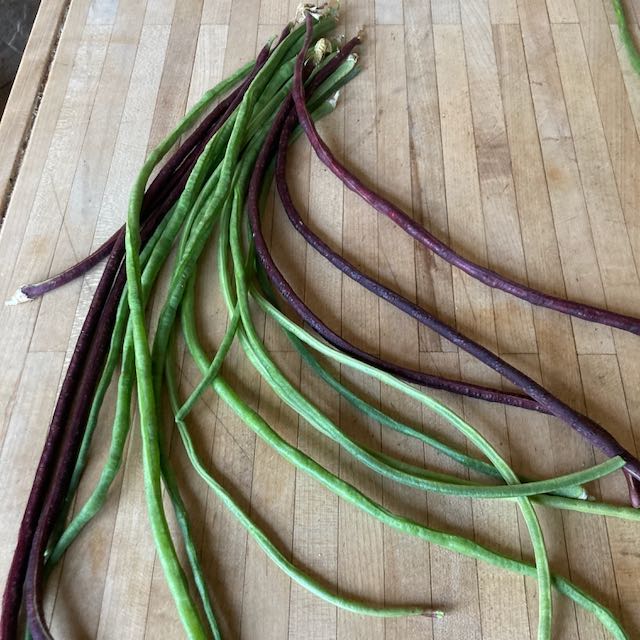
(69, 419)
(165, 187)
(435, 382)
(589, 429)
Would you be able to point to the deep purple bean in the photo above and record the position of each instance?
(424, 237)
(169, 181)
(586, 427)
(69, 419)
(419, 377)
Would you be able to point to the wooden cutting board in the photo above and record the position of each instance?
(509, 127)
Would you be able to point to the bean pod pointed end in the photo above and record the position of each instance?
(18, 298)
(430, 613)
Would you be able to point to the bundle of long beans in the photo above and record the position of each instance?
(213, 189)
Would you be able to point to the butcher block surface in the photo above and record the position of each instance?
(507, 127)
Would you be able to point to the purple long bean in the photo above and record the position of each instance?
(69, 419)
(586, 427)
(164, 188)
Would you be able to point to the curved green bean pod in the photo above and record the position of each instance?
(265, 543)
(349, 493)
(146, 398)
(257, 354)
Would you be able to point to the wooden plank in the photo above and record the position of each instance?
(433, 276)
(617, 121)
(557, 369)
(389, 12)
(473, 308)
(85, 229)
(574, 236)
(406, 565)
(445, 12)
(611, 233)
(562, 11)
(449, 573)
(28, 195)
(272, 503)
(216, 11)
(504, 11)
(606, 403)
(315, 535)
(601, 196)
(85, 200)
(361, 562)
(274, 12)
(505, 252)
(125, 561)
(24, 100)
(513, 319)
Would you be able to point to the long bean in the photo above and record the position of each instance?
(589, 429)
(305, 313)
(260, 537)
(148, 412)
(355, 497)
(297, 401)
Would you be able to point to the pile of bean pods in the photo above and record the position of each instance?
(212, 189)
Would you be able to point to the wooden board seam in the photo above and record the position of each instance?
(6, 189)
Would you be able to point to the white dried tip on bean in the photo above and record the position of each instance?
(18, 298)
(320, 50)
(333, 100)
(331, 8)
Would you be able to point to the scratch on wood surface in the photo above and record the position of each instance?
(5, 197)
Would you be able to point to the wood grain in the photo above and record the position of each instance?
(26, 91)
(509, 128)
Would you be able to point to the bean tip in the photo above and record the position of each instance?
(633, 485)
(17, 298)
(430, 613)
(585, 495)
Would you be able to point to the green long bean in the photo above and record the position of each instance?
(258, 356)
(352, 495)
(176, 579)
(262, 539)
